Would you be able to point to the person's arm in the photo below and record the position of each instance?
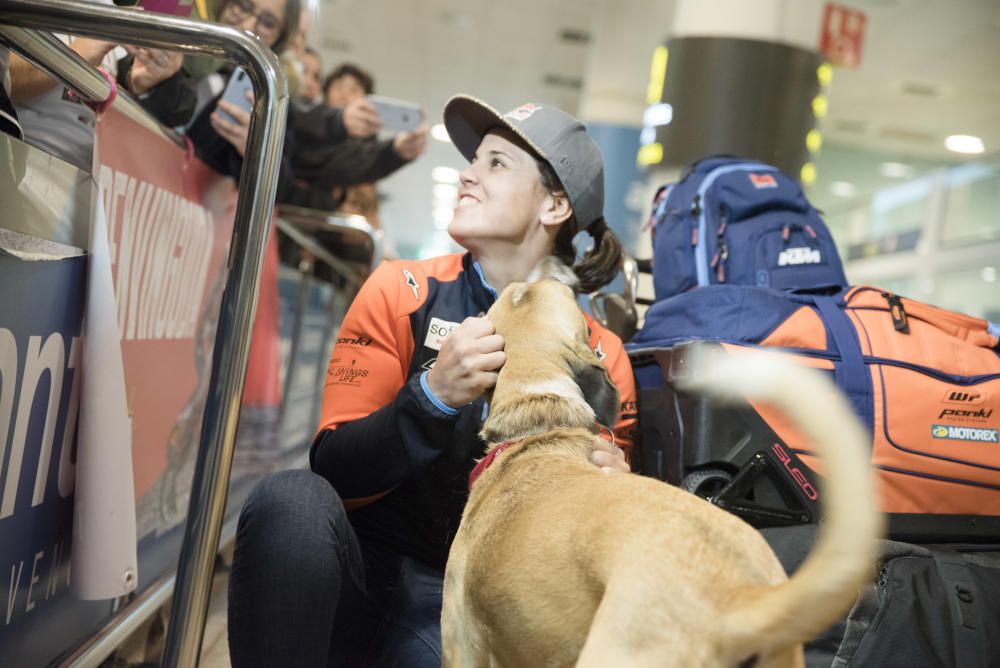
(612, 353)
(161, 85)
(379, 426)
(28, 82)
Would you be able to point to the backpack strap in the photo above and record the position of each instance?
(851, 375)
(961, 593)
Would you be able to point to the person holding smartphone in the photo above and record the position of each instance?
(55, 119)
(343, 565)
(330, 163)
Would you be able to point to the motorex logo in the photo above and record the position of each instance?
(976, 434)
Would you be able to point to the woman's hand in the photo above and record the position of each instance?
(468, 363)
(360, 118)
(409, 145)
(235, 133)
(152, 66)
(609, 457)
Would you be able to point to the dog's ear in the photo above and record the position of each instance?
(554, 269)
(599, 392)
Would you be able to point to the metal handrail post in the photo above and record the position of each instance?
(253, 214)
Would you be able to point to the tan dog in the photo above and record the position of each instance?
(557, 563)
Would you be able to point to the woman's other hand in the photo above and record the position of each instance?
(609, 457)
(468, 363)
(235, 133)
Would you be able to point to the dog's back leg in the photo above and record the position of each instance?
(621, 637)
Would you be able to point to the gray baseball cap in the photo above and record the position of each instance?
(557, 138)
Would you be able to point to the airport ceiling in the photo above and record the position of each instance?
(929, 69)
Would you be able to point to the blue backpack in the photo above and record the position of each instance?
(742, 222)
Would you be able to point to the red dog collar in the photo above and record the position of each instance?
(485, 462)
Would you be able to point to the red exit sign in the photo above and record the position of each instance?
(843, 35)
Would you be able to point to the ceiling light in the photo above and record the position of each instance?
(843, 189)
(814, 141)
(442, 217)
(445, 192)
(445, 174)
(964, 144)
(658, 114)
(807, 175)
(440, 133)
(989, 274)
(895, 170)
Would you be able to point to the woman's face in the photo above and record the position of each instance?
(264, 18)
(500, 195)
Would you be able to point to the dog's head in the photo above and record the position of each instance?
(551, 377)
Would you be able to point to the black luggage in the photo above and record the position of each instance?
(930, 606)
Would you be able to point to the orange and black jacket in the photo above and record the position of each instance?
(399, 457)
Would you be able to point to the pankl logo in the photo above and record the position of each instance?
(964, 397)
(980, 414)
(763, 181)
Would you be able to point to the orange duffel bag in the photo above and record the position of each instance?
(925, 380)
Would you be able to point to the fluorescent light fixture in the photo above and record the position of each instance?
(964, 144)
(647, 136)
(989, 274)
(445, 193)
(445, 174)
(443, 216)
(658, 114)
(440, 133)
(895, 170)
(843, 189)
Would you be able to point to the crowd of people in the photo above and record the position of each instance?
(333, 152)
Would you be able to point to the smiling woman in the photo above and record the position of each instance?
(403, 408)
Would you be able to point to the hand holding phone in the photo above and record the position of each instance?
(397, 114)
(237, 87)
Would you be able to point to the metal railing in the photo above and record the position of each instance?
(253, 212)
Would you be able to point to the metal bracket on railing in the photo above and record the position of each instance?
(253, 216)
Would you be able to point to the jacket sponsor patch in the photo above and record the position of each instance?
(346, 375)
(412, 282)
(976, 434)
(437, 332)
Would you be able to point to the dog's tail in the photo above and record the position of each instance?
(842, 561)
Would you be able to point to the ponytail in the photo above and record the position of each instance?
(603, 261)
(600, 264)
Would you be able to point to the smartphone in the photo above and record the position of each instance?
(236, 92)
(397, 114)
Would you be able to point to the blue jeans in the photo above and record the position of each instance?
(305, 591)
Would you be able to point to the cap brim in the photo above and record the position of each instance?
(468, 119)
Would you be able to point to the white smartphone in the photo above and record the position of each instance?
(397, 114)
(236, 92)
